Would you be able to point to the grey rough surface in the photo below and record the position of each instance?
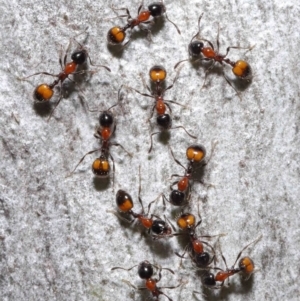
(57, 241)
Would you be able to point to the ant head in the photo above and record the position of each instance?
(202, 259)
(101, 167)
(246, 265)
(145, 270)
(43, 93)
(177, 198)
(186, 221)
(208, 279)
(195, 48)
(195, 153)
(242, 70)
(157, 74)
(124, 201)
(79, 56)
(164, 121)
(160, 227)
(157, 9)
(116, 35)
(106, 119)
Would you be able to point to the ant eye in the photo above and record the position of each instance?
(195, 48)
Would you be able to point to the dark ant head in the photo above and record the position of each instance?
(202, 259)
(164, 121)
(195, 48)
(157, 9)
(124, 201)
(43, 93)
(106, 119)
(160, 227)
(116, 35)
(101, 167)
(79, 56)
(177, 198)
(145, 270)
(208, 279)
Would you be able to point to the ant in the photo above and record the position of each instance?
(245, 265)
(195, 155)
(158, 75)
(101, 166)
(157, 226)
(116, 35)
(145, 271)
(241, 69)
(187, 222)
(44, 92)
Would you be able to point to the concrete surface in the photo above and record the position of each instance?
(57, 240)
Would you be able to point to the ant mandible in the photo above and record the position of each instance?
(116, 35)
(241, 69)
(145, 272)
(195, 154)
(154, 224)
(245, 265)
(101, 166)
(158, 75)
(44, 92)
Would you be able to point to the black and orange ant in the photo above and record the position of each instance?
(154, 224)
(44, 92)
(245, 266)
(101, 167)
(187, 222)
(116, 35)
(195, 155)
(158, 75)
(145, 272)
(241, 69)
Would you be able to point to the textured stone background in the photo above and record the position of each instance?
(57, 240)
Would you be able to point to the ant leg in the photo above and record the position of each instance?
(103, 66)
(182, 127)
(122, 8)
(218, 41)
(57, 103)
(213, 146)
(253, 242)
(231, 85)
(238, 47)
(144, 83)
(89, 153)
(124, 149)
(120, 268)
(177, 161)
(137, 91)
(178, 30)
(38, 73)
(114, 170)
(174, 102)
(151, 115)
(207, 71)
(151, 142)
